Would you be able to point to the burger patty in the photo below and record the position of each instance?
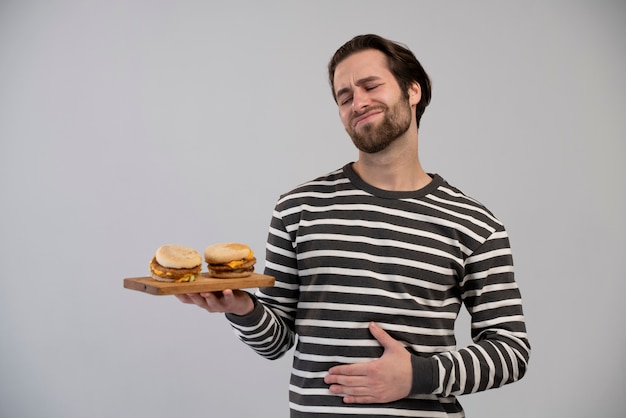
(229, 270)
(160, 270)
(248, 265)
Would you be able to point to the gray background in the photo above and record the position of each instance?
(125, 125)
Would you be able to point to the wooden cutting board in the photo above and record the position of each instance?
(203, 283)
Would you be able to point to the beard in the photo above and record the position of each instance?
(372, 138)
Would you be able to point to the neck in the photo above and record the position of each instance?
(396, 168)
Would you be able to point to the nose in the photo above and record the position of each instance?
(360, 100)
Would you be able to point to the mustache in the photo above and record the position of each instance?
(376, 108)
(368, 110)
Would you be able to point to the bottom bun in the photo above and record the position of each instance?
(172, 280)
(229, 274)
(162, 279)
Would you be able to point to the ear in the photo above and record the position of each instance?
(415, 93)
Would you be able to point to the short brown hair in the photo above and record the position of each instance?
(402, 64)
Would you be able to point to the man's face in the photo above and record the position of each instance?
(373, 109)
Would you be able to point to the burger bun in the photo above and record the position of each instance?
(225, 252)
(178, 256)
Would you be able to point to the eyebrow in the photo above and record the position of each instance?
(358, 83)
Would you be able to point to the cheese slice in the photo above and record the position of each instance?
(236, 263)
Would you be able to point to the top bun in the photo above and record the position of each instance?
(225, 252)
(178, 256)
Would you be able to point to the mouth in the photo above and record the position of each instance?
(365, 118)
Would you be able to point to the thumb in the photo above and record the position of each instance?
(381, 336)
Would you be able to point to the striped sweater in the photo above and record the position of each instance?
(345, 253)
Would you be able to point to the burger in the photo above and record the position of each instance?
(229, 260)
(175, 263)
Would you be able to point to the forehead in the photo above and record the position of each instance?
(360, 65)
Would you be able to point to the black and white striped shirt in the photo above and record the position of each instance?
(345, 253)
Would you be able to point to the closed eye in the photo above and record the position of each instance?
(346, 100)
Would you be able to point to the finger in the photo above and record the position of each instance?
(361, 394)
(357, 369)
(349, 390)
(359, 399)
(381, 336)
(211, 302)
(358, 394)
(346, 384)
(211, 295)
(183, 298)
(197, 298)
(228, 295)
(192, 299)
(214, 301)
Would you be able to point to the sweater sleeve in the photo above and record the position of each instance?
(500, 351)
(269, 329)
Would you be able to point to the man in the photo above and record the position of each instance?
(373, 261)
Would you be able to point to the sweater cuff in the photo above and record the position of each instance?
(424, 375)
(251, 319)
